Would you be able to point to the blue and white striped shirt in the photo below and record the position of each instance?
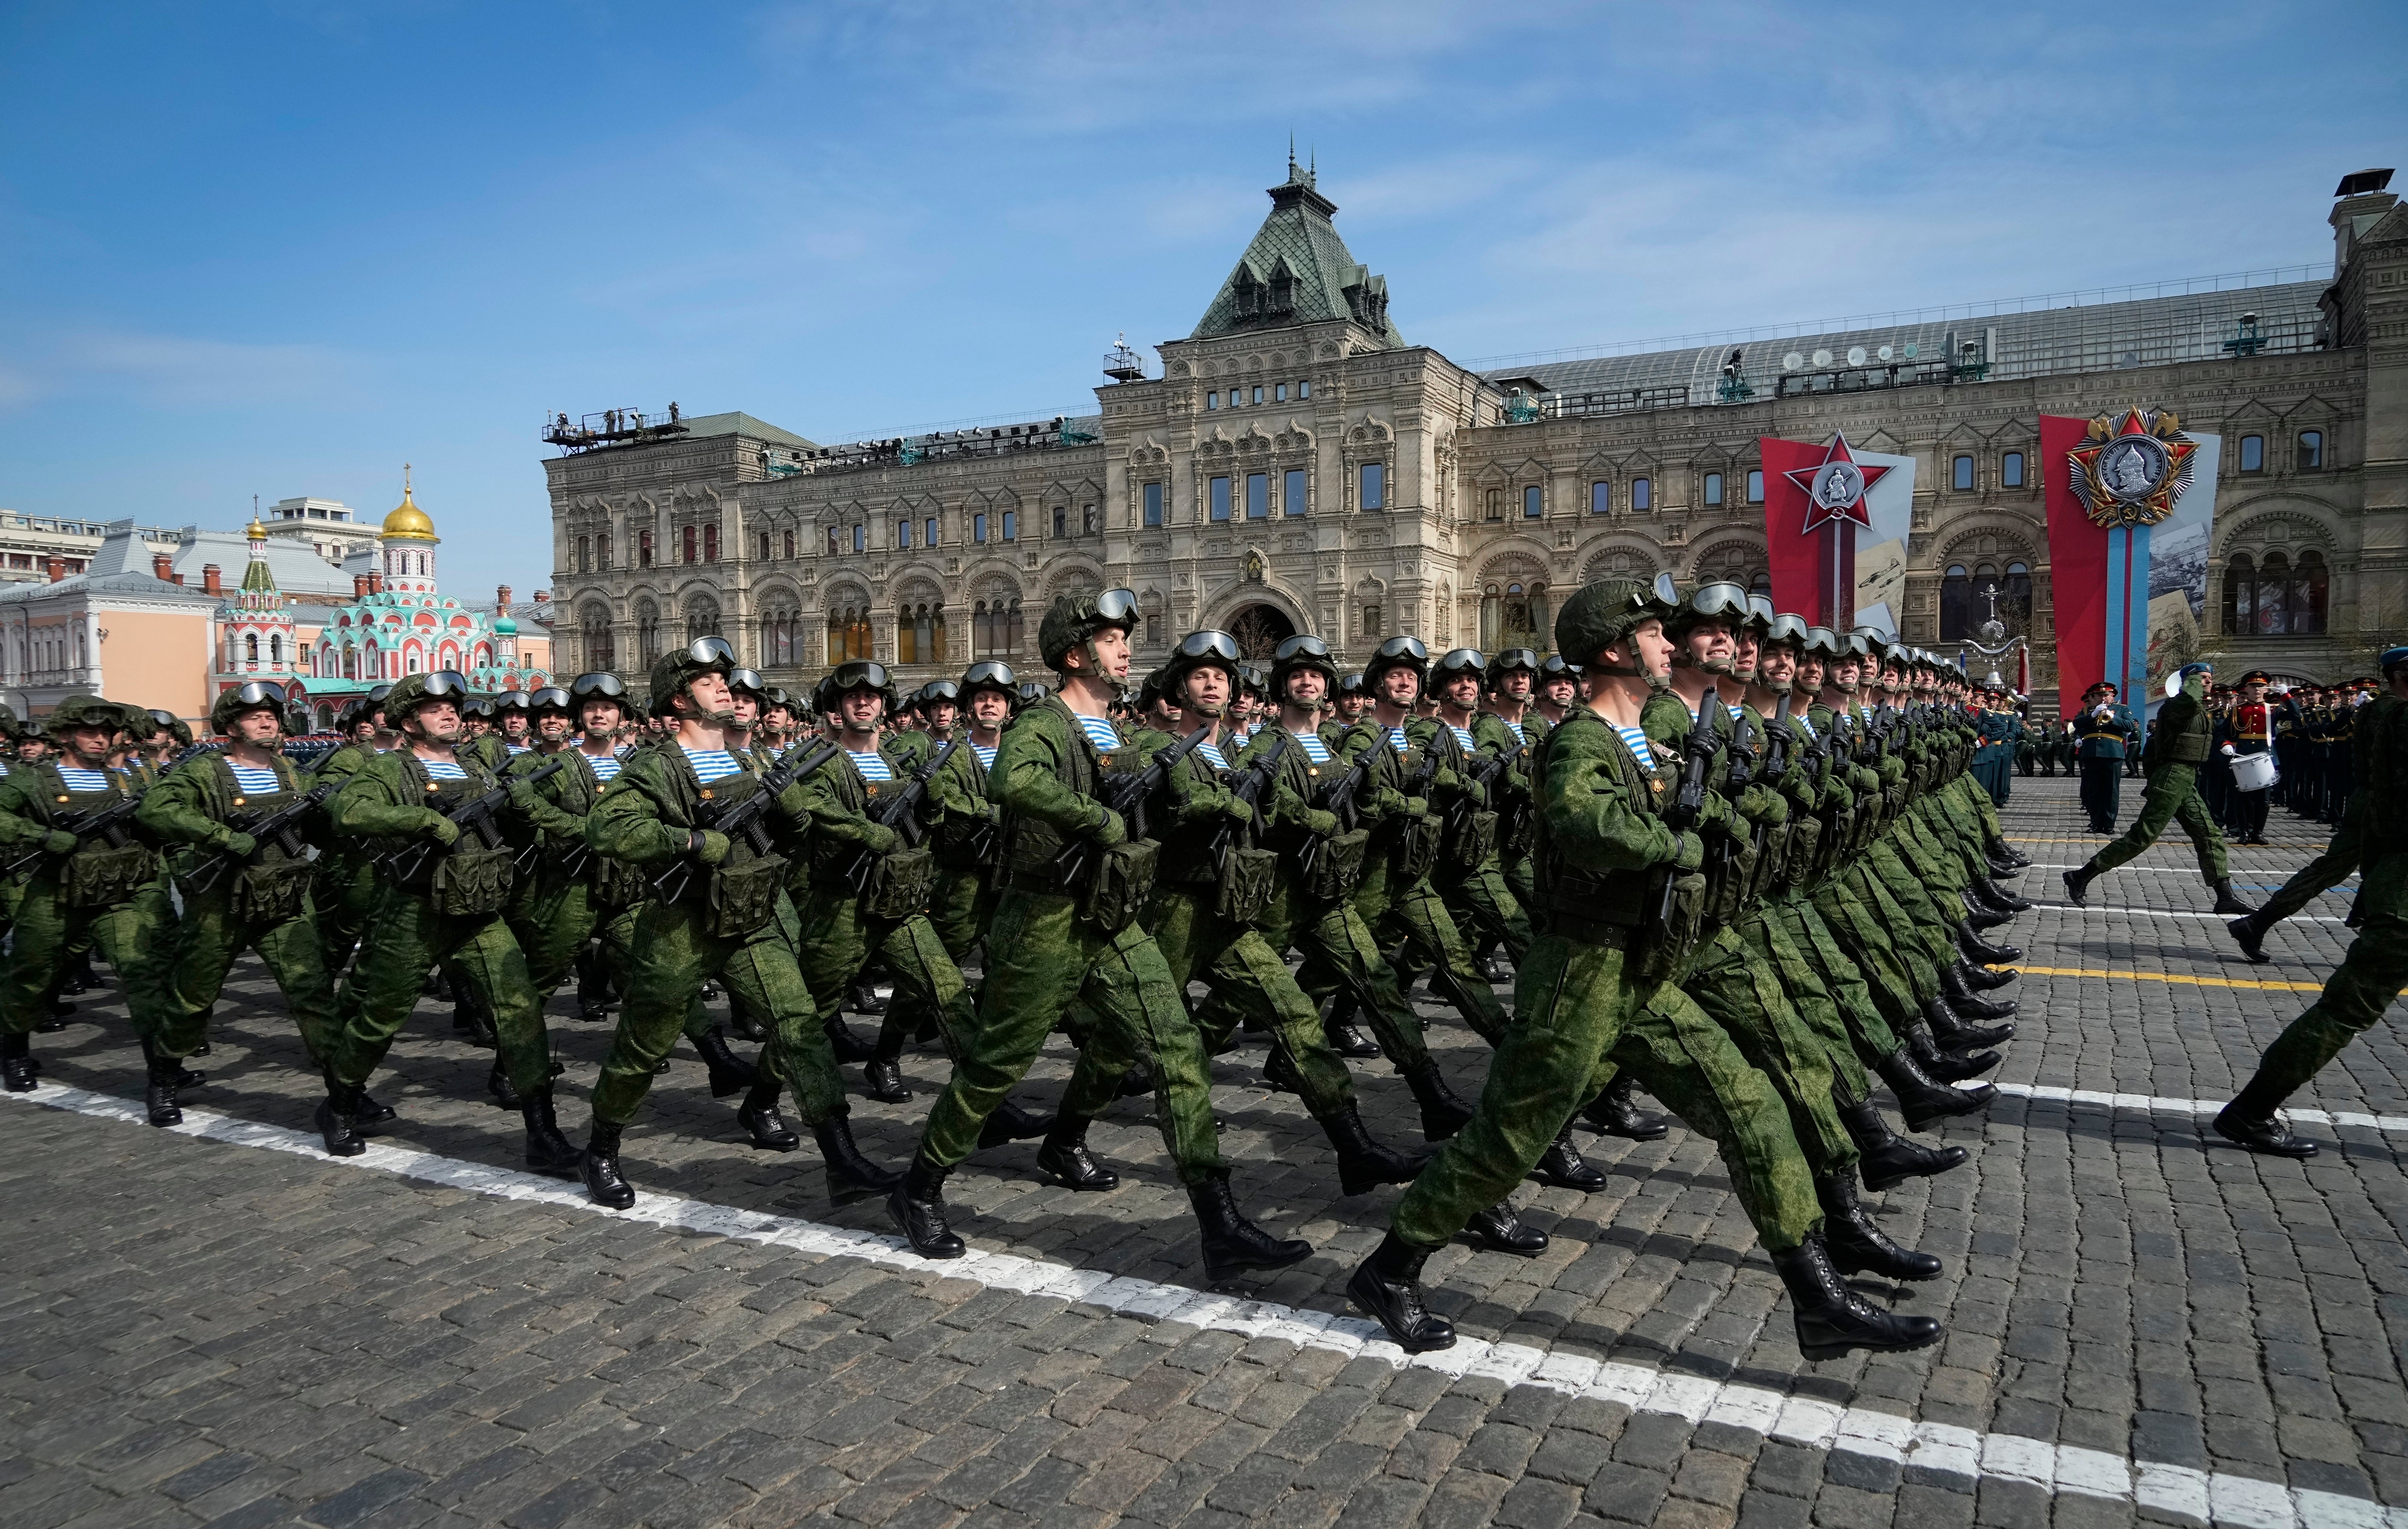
(1220, 761)
(253, 780)
(871, 764)
(605, 767)
(1521, 734)
(711, 764)
(1638, 742)
(1101, 732)
(986, 752)
(1315, 750)
(82, 781)
(1462, 736)
(1398, 740)
(444, 769)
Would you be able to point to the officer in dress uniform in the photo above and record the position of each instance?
(2248, 728)
(2105, 733)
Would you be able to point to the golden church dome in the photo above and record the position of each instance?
(407, 519)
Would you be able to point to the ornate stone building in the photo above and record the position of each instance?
(1297, 466)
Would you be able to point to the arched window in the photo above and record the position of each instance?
(2311, 451)
(644, 548)
(2253, 453)
(782, 635)
(995, 628)
(1761, 583)
(647, 633)
(685, 543)
(2011, 470)
(848, 634)
(584, 554)
(602, 551)
(251, 647)
(701, 620)
(274, 649)
(2310, 585)
(2014, 599)
(1955, 605)
(594, 628)
(1496, 504)
(2273, 615)
(789, 547)
(920, 634)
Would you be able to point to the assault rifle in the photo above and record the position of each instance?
(1697, 758)
(281, 827)
(1126, 795)
(1739, 776)
(741, 816)
(1254, 780)
(475, 815)
(108, 823)
(1337, 799)
(900, 814)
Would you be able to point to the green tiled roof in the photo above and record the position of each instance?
(1298, 271)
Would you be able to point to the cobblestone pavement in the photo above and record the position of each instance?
(218, 1325)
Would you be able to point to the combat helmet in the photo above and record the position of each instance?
(257, 695)
(1303, 651)
(1073, 618)
(1599, 615)
(412, 692)
(673, 672)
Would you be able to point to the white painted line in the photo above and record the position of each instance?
(2174, 913)
(1852, 1430)
(2195, 1107)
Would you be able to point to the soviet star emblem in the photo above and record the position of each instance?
(1835, 486)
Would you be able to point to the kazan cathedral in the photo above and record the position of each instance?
(1295, 464)
(399, 625)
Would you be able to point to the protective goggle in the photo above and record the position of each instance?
(167, 718)
(257, 693)
(746, 680)
(1760, 608)
(859, 673)
(1553, 667)
(482, 706)
(602, 683)
(1822, 641)
(444, 684)
(1718, 600)
(1463, 661)
(1668, 593)
(517, 700)
(1116, 606)
(379, 693)
(1199, 646)
(1305, 646)
(988, 674)
(1512, 658)
(939, 689)
(1031, 692)
(550, 698)
(1409, 649)
(710, 652)
(1786, 628)
(1351, 685)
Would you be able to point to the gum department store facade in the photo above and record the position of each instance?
(1298, 467)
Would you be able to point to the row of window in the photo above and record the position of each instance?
(2271, 596)
(1278, 392)
(2308, 455)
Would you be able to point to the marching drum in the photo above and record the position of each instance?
(2254, 772)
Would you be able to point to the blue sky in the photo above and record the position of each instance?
(282, 249)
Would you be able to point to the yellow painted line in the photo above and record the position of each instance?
(2163, 977)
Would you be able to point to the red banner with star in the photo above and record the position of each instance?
(2077, 569)
(1814, 509)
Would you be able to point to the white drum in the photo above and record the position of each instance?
(2254, 772)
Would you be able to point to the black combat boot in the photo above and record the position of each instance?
(17, 1067)
(1562, 1166)
(1442, 1113)
(1831, 1319)
(1954, 1033)
(1975, 979)
(1065, 1159)
(2250, 1121)
(1979, 918)
(1944, 1066)
(599, 1168)
(881, 1076)
(1615, 1113)
(1859, 1247)
(1010, 1122)
(851, 1176)
(1490, 965)
(1388, 1286)
(729, 1073)
(163, 1075)
(746, 1023)
(1965, 998)
(1999, 897)
(593, 988)
(2225, 902)
(863, 999)
(917, 1202)
(1279, 1071)
(761, 1120)
(1500, 1230)
(1233, 1244)
(1340, 1031)
(2251, 934)
(370, 1118)
(548, 1151)
(2077, 884)
(1137, 1082)
(1974, 947)
(79, 978)
(846, 1043)
(1363, 1164)
(2006, 854)
(469, 1019)
(499, 1084)
(1885, 1158)
(335, 1122)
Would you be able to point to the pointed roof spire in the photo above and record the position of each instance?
(1297, 270)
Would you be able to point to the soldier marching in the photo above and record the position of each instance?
(1751, 866)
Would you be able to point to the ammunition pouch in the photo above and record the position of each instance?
(965, 844)
(471, 883)
(104, 877)
(740, 898)
(2190, 749)
(615, 883)
(1338, 867)
(1248, 879)
(1799, 860)
(1415, 849)
(1119, 882)
(273, 892)
(899, 884)
(1469, 840)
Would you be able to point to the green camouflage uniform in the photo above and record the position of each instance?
(120, 902)
(2176, 751)
(1470, 875)
(1042, 955)
(345, 891)
(263, 906)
